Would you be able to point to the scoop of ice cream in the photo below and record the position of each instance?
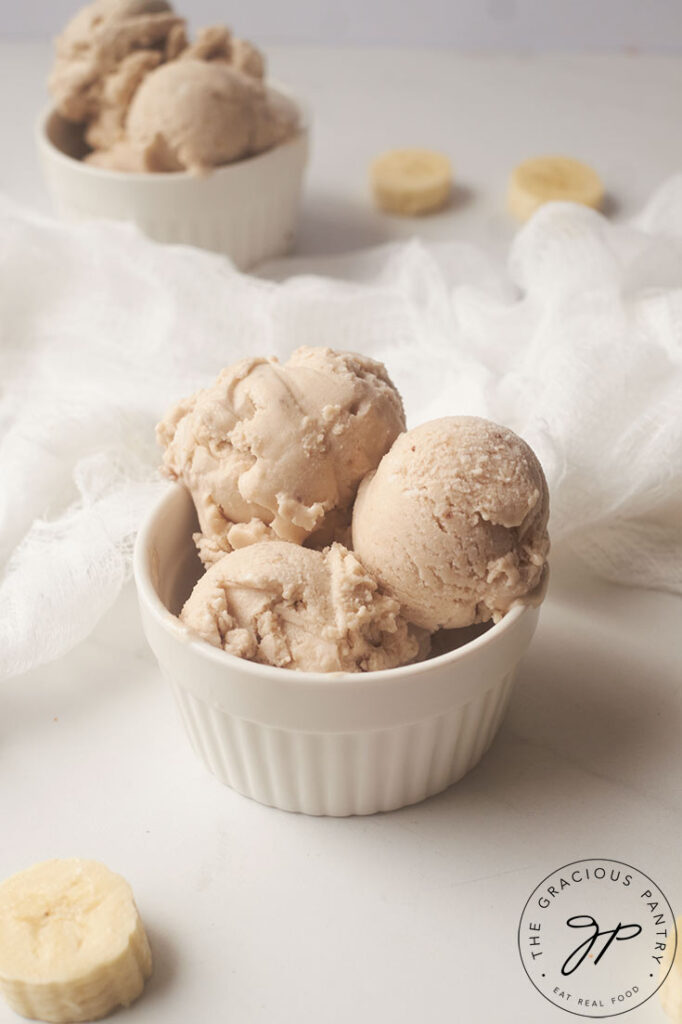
(197, 114)
(98, 40)
(107, 128)
(245, 57)
(200, 105)
(270, 449)
(284, 605)
(217, 43)
(275, 122)
(453, 523)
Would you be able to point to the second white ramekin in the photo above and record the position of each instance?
(334, 744)
(246, 210)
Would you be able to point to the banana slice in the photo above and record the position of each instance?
(670, 991)
(411, 181)
(72, 945)
(546, 178)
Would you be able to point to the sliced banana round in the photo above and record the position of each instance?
(411, 181)
(671, 990)
(544, 179)
(72, 944)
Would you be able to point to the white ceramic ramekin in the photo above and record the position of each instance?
(337, 744)
(246, 210)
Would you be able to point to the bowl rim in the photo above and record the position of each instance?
(180, 633)
(44, 143)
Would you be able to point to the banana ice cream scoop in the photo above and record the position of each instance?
(316, 611)
(72, 944)
(149, 100)
(197, 114)
(217, 43)
(277, 450)
(453, 523)
(102, 55)
(552, 178)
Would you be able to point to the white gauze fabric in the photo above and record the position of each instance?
(576, 345)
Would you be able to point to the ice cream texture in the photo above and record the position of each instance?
(197, 114)
(453, 523)
(276, 450)
(281, 604)
(103, 54)
(149, 100)
(217, 43)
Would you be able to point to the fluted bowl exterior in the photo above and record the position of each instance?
(321, 743)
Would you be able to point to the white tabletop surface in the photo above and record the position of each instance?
(256, 915)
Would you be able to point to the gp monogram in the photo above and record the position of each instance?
(593, 935)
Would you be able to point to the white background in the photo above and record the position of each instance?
(469, 25)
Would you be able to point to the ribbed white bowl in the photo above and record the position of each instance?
(246, 210)
(337, 744)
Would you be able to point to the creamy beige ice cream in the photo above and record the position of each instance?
(106, 130)
(277, 450)
(102, 56)
(281, 604)
(453, 523)
(197, 114)
(149, 100)
(449, 520)
(218, 43)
